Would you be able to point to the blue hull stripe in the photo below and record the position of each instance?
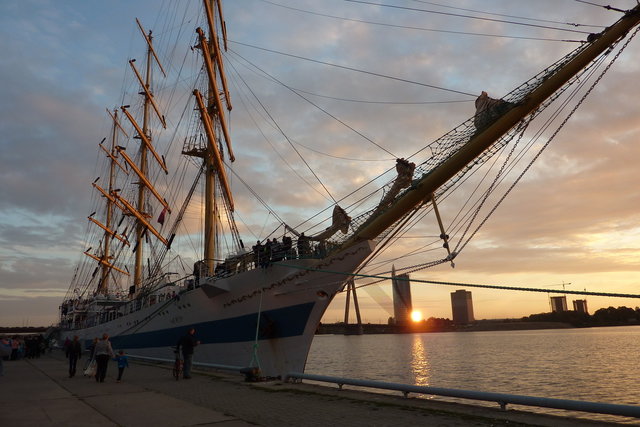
(279, 323)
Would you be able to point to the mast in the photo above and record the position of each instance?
(213, 121)
(210, 209)
(105, 259)
(140, 229)
(104, 282)
(147, 153)
(425, 186)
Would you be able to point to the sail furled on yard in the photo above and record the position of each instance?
(495, 123)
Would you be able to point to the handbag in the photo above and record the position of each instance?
(90, 370)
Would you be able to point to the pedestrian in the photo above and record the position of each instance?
(121, 358)
(103, 353)
(74, 351)
(187, 343)
(5, 352)
(15, 348)
(92, 350)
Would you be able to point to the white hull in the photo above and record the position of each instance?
(282, 305)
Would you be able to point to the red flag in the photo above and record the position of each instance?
(161, 217)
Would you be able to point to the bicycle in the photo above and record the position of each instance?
(177, 366)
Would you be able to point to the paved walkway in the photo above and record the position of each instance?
(39, 393)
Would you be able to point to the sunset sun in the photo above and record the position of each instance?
(416, 316)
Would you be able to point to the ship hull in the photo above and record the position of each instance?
(264, 318)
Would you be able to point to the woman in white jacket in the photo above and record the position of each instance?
(103, 353)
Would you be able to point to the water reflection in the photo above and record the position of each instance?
(593, 364)
(419, 362)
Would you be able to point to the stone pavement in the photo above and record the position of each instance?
(38, 392)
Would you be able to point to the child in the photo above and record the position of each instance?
(122, 363)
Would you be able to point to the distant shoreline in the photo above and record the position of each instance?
(381, 328)
(479, 326)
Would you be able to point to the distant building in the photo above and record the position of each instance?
(580, 306)
(462, 307)
(558, 304)
(402, 305)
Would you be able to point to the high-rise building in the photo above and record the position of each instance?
(558, 304)
(462, 307)
(580, 305)
(402, 305)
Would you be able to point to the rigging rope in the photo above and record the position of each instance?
(608, 7)
(461, 245)
(318, 95)
(408, 27)
(488, 192)
(551, 138)
(465, 16)
(317, 106)
(273, 120)
(470, 285)
(266, 138)
(508, 16)
(344, 67)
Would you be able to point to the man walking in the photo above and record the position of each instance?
(187, 343)
(74, 351)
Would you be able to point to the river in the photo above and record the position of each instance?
(592, 364)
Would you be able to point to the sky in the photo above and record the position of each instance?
(571, 223)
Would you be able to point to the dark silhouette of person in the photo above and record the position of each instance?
(187, 343)
(257, 254)
(287, 244)
(304, 246)
(74, 351)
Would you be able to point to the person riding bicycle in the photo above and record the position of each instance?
(187, 343)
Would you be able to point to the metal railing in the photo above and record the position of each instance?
(501, 398)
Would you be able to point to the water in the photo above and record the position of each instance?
(594, 364)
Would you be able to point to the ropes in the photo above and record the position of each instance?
(409, 27)
(470, 285)
(551, 138)
(520, 129)
(465, 16)
(355, 69)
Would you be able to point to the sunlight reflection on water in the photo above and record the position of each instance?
(419, 362)
(595, 364)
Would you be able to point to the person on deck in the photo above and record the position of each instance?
(187, 344)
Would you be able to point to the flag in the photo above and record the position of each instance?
(161, 217)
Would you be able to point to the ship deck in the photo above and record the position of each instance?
(39, 392)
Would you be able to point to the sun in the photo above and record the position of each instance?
(416, 316)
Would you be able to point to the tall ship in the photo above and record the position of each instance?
(167, 184)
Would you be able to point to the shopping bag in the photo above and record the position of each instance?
(91, 369)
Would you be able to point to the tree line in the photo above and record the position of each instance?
(610, 316)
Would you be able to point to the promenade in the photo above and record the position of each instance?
(38, 392)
